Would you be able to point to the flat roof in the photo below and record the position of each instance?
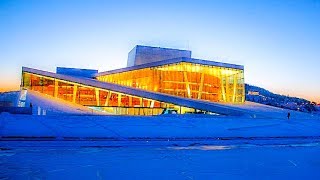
(155, 47)
(173, 61)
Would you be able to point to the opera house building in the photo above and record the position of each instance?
(154, 79)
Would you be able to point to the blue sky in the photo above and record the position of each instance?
(278, 42)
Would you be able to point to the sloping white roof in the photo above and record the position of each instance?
(181, 101)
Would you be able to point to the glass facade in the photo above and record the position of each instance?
(99, 99)
(197, 81)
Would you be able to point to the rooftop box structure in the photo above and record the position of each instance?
(146, 54)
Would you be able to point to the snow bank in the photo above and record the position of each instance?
(157, 127)
(65, 120)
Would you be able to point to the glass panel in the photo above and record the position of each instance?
(216, 84)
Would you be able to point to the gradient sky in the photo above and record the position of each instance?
(278, 42)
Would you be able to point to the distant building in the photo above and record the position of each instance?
(255, 93)
(155, 78)
(8, 99)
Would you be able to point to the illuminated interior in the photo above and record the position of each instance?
(184, 79)
(97, 98)
(155, 79)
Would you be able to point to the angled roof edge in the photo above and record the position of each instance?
(172, 61)
(181, 101)
(161, 48)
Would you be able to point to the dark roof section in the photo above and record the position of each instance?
(161, 47)
(172, 61)
(181, 101)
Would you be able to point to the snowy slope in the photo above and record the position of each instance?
(67, 143)
(54, 106)
(126, 127)
(68, 120)
(257, 110)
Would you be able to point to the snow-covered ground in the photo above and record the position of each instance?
(72, 142)
(178, 126)
(208, 162)
(64, 120)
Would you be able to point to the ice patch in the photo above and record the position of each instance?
(7, 153)
(204, 148)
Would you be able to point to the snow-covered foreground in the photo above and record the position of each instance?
(160, 147)
(198, 162)
(70, 142)
(163, 127)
